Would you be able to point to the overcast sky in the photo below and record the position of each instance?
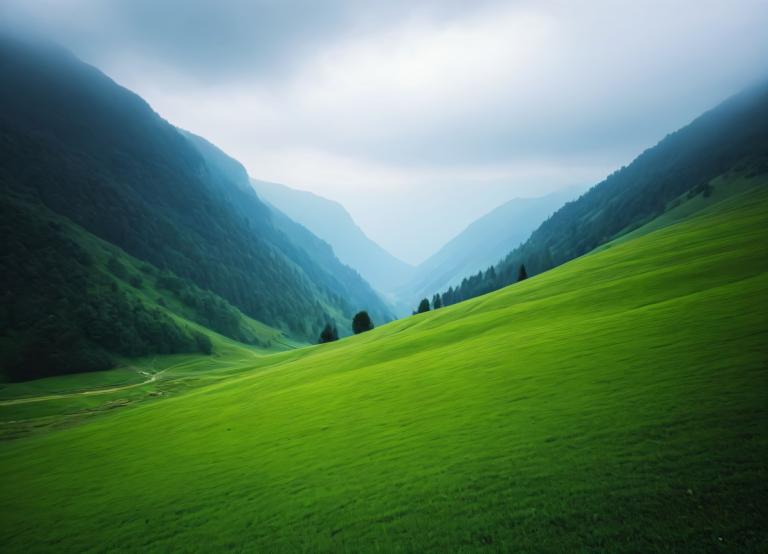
(419, 116)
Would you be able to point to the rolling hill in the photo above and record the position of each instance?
(81, 153)
(332, 223)
(614, 403)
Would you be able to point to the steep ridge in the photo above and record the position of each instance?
(298, 243)
(75, 144)
(731, 136)
(332, 223)
(477, 424)
(74, 303)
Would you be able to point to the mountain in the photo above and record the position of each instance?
(332, 223)
(482, 244)
(731, 137)
(616, 403)
(325, 268)
(82, 157)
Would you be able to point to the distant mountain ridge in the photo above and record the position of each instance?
(731, 137)
(302, 245)
(483, 243)
(331, 222)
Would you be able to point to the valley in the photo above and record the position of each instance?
(562, 410)
(196, 357)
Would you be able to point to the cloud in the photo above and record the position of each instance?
(477, 101)
(227, 40)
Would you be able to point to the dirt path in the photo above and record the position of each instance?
(152, 378)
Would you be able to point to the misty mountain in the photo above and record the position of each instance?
(732, 137)
(332, 223)
(482, 244)
(78, 151)
(298, 243)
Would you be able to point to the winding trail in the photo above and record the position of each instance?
(150, 378)
(92, 392)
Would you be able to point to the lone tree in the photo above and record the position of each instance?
(361, 322)
(423, 306)
(328, 334)
(522, 275)
(437, 302)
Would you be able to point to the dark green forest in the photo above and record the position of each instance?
(75, 143)
(61, 314)
(731, 136)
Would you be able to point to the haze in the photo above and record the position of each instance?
(419, 117)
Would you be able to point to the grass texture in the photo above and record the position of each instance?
(616, 403)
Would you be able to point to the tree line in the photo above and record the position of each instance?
(481, 283)
(361, 322)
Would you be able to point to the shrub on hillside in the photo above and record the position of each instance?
(361, 322)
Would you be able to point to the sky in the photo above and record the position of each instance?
(419, 117)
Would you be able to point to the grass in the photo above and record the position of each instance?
(71, 383)
(617, 403)
(56, 402)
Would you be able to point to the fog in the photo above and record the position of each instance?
(419, 117)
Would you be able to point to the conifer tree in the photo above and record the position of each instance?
(449, 297)
(437, 302)
(522, 275)
(423, 306)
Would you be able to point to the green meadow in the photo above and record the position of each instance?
(616, 403)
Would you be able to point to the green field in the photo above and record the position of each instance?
(616, 403)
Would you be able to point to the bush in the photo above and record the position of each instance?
(203, 342)
(361, 322)
(328, 334)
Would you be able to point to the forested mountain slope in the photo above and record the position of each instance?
(73, 303)
(617, 402)
(332, 223)
(75, 144)
(297, 242)
(731, 137)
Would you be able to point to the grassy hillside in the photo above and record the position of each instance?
(616, 403)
